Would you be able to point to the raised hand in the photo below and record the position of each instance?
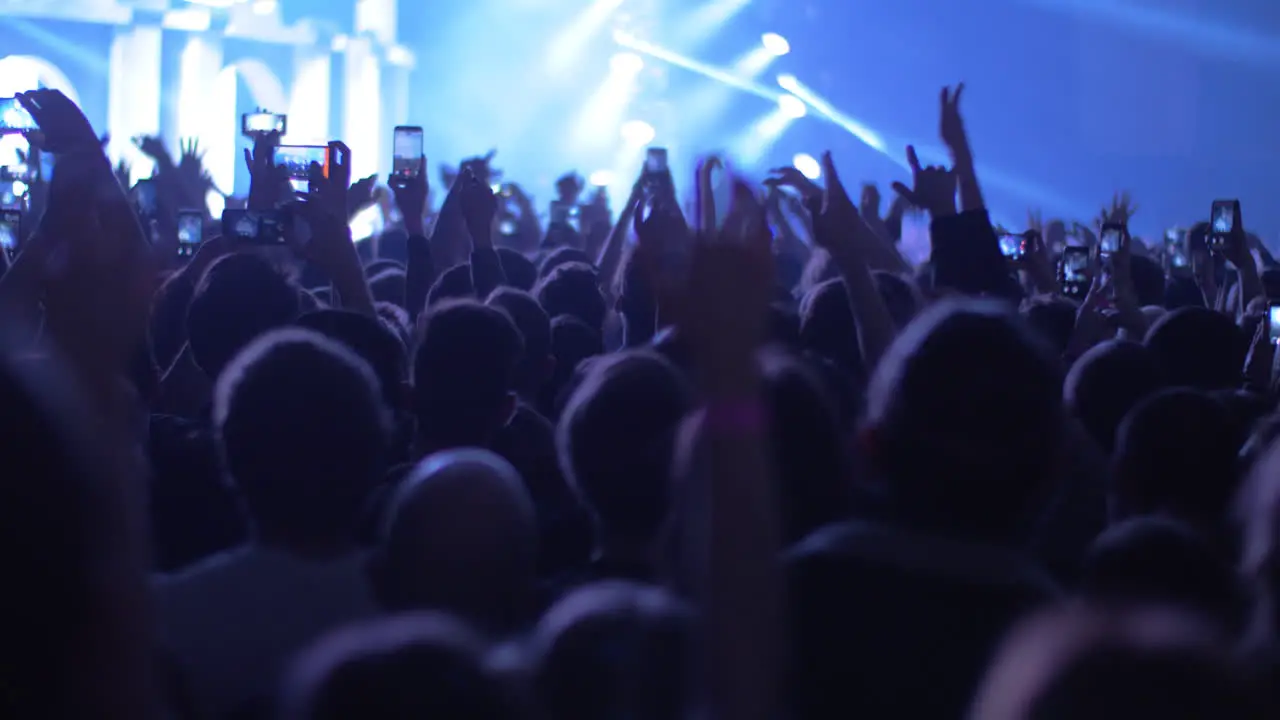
(63, 126)
(951, 126)
(790, 177)
(479, 206)
(268, 184)
(1122, 209)
(934, 188)
(153, 147)
(361, 194)
(869, 206)
(411, 199)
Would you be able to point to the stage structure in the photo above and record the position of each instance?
(188, 69)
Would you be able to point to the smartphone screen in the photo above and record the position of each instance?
(144, 198)
(10, 227)
(1273, 319)
(297, 159)
(263, 123)
(254, 228)
(406, 158)
(190, 232)
(1109, 242)
(14, 117)
(656, 161)
(560, 212)
(1223, 219)
(1011, 246)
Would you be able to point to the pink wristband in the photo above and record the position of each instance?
(744, 417)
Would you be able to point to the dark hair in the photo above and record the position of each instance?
(899, 295)
(388, 286)
(464, 372)
(808, 448)
(303, 434)
(535, 328)
(453, 284)
(1055, 319)
(968, 391)
(1176, 453)
(1148, 280)
(616, 438)
(371, 340)
(521, 273)
(573, 289)
(240, 297)
(420, 665)
(1197, 347)
(827, 326)
(1106, 383)
(561, 256)
(614, 649)
(572, 342)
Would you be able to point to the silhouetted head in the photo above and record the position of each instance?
(521, 273)
(304, 435)
(573, 289)
(453, 284)
(537, 361)
(464, 374)
(901, 296)
(404, 667)
(616, 437)
(965, 420)
(1199, 348)
(827, 327)
(564, 255)
(240, 297)
(572, 341)
(1148, 280)
(614, 649)
(1106, 383)
(1054, 319)
(372, 341)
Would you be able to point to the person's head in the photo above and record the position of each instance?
(808, 447)
(1176, 453)
(460, 535)
(388, 286)
(1106, 383)
(1199, 348)
(304, 436)
(404, 667)
(616, 437)
(1083, 662)
(1148, 280)
(537, 361)
(464, 374)
(1159, 561)
(901, 296)
(521, 273)
(573, 289)
(1054, 319)
(240, 297)
(373, 342)
(1257, 510)
(395, 319)
(612, 650)
(965, 421)
(561, 256)
(453, 284)
(572, 342)
(827, 326)
(1182, 292)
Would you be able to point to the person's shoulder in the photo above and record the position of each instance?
(209, 570)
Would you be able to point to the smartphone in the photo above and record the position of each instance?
(656, 161)
(1073, 271)
(190, 232)
(10, 231)
(297, 159)
(1012, 246)
(1110, 238)
(1222, 222)
(263, 123)
(561, 212)
(1273, 322)
(1173, 236)
(406, 152)
(253, 228)
(14, 118)
(144, 198)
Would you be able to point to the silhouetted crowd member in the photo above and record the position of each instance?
(657, 466)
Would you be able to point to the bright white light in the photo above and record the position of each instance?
(807, 165)
(788, 82)
(601, 178)
(626, 63)
(264, 7)
(776, 44)
(792, 106)
(638, 133)
(340, 43)
(19, 188)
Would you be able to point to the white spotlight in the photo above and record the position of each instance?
(264, 7)
(792, 106)
(776, 44)
(638, 133)
(788, 82)
(601, 178)
(626, 63)
(807, 165)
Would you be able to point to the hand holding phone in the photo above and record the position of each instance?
(14, 118)
(1224, 223)
(10, 232)
(253, 227)
(190, 232)
(1012, 246)
(1273, 322)
(297, 160)
(407, 159)
(1073, 271)
(258, 124)
(1112, 238)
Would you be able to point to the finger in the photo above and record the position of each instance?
(905, 193)
(912, 160)
(834, 185)
(944, 99)
(248, 160)
(955, 96)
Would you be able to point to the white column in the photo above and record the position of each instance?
(312, 88)
(198, 69)
(133, 105)
(362, 112)
(378, 18)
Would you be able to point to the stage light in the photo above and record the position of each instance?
(601, 178)
(792, 106)
(626, 63)
(788, 82)
(776, 44)
(264, 7)
(638, 133)
(807, 165)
